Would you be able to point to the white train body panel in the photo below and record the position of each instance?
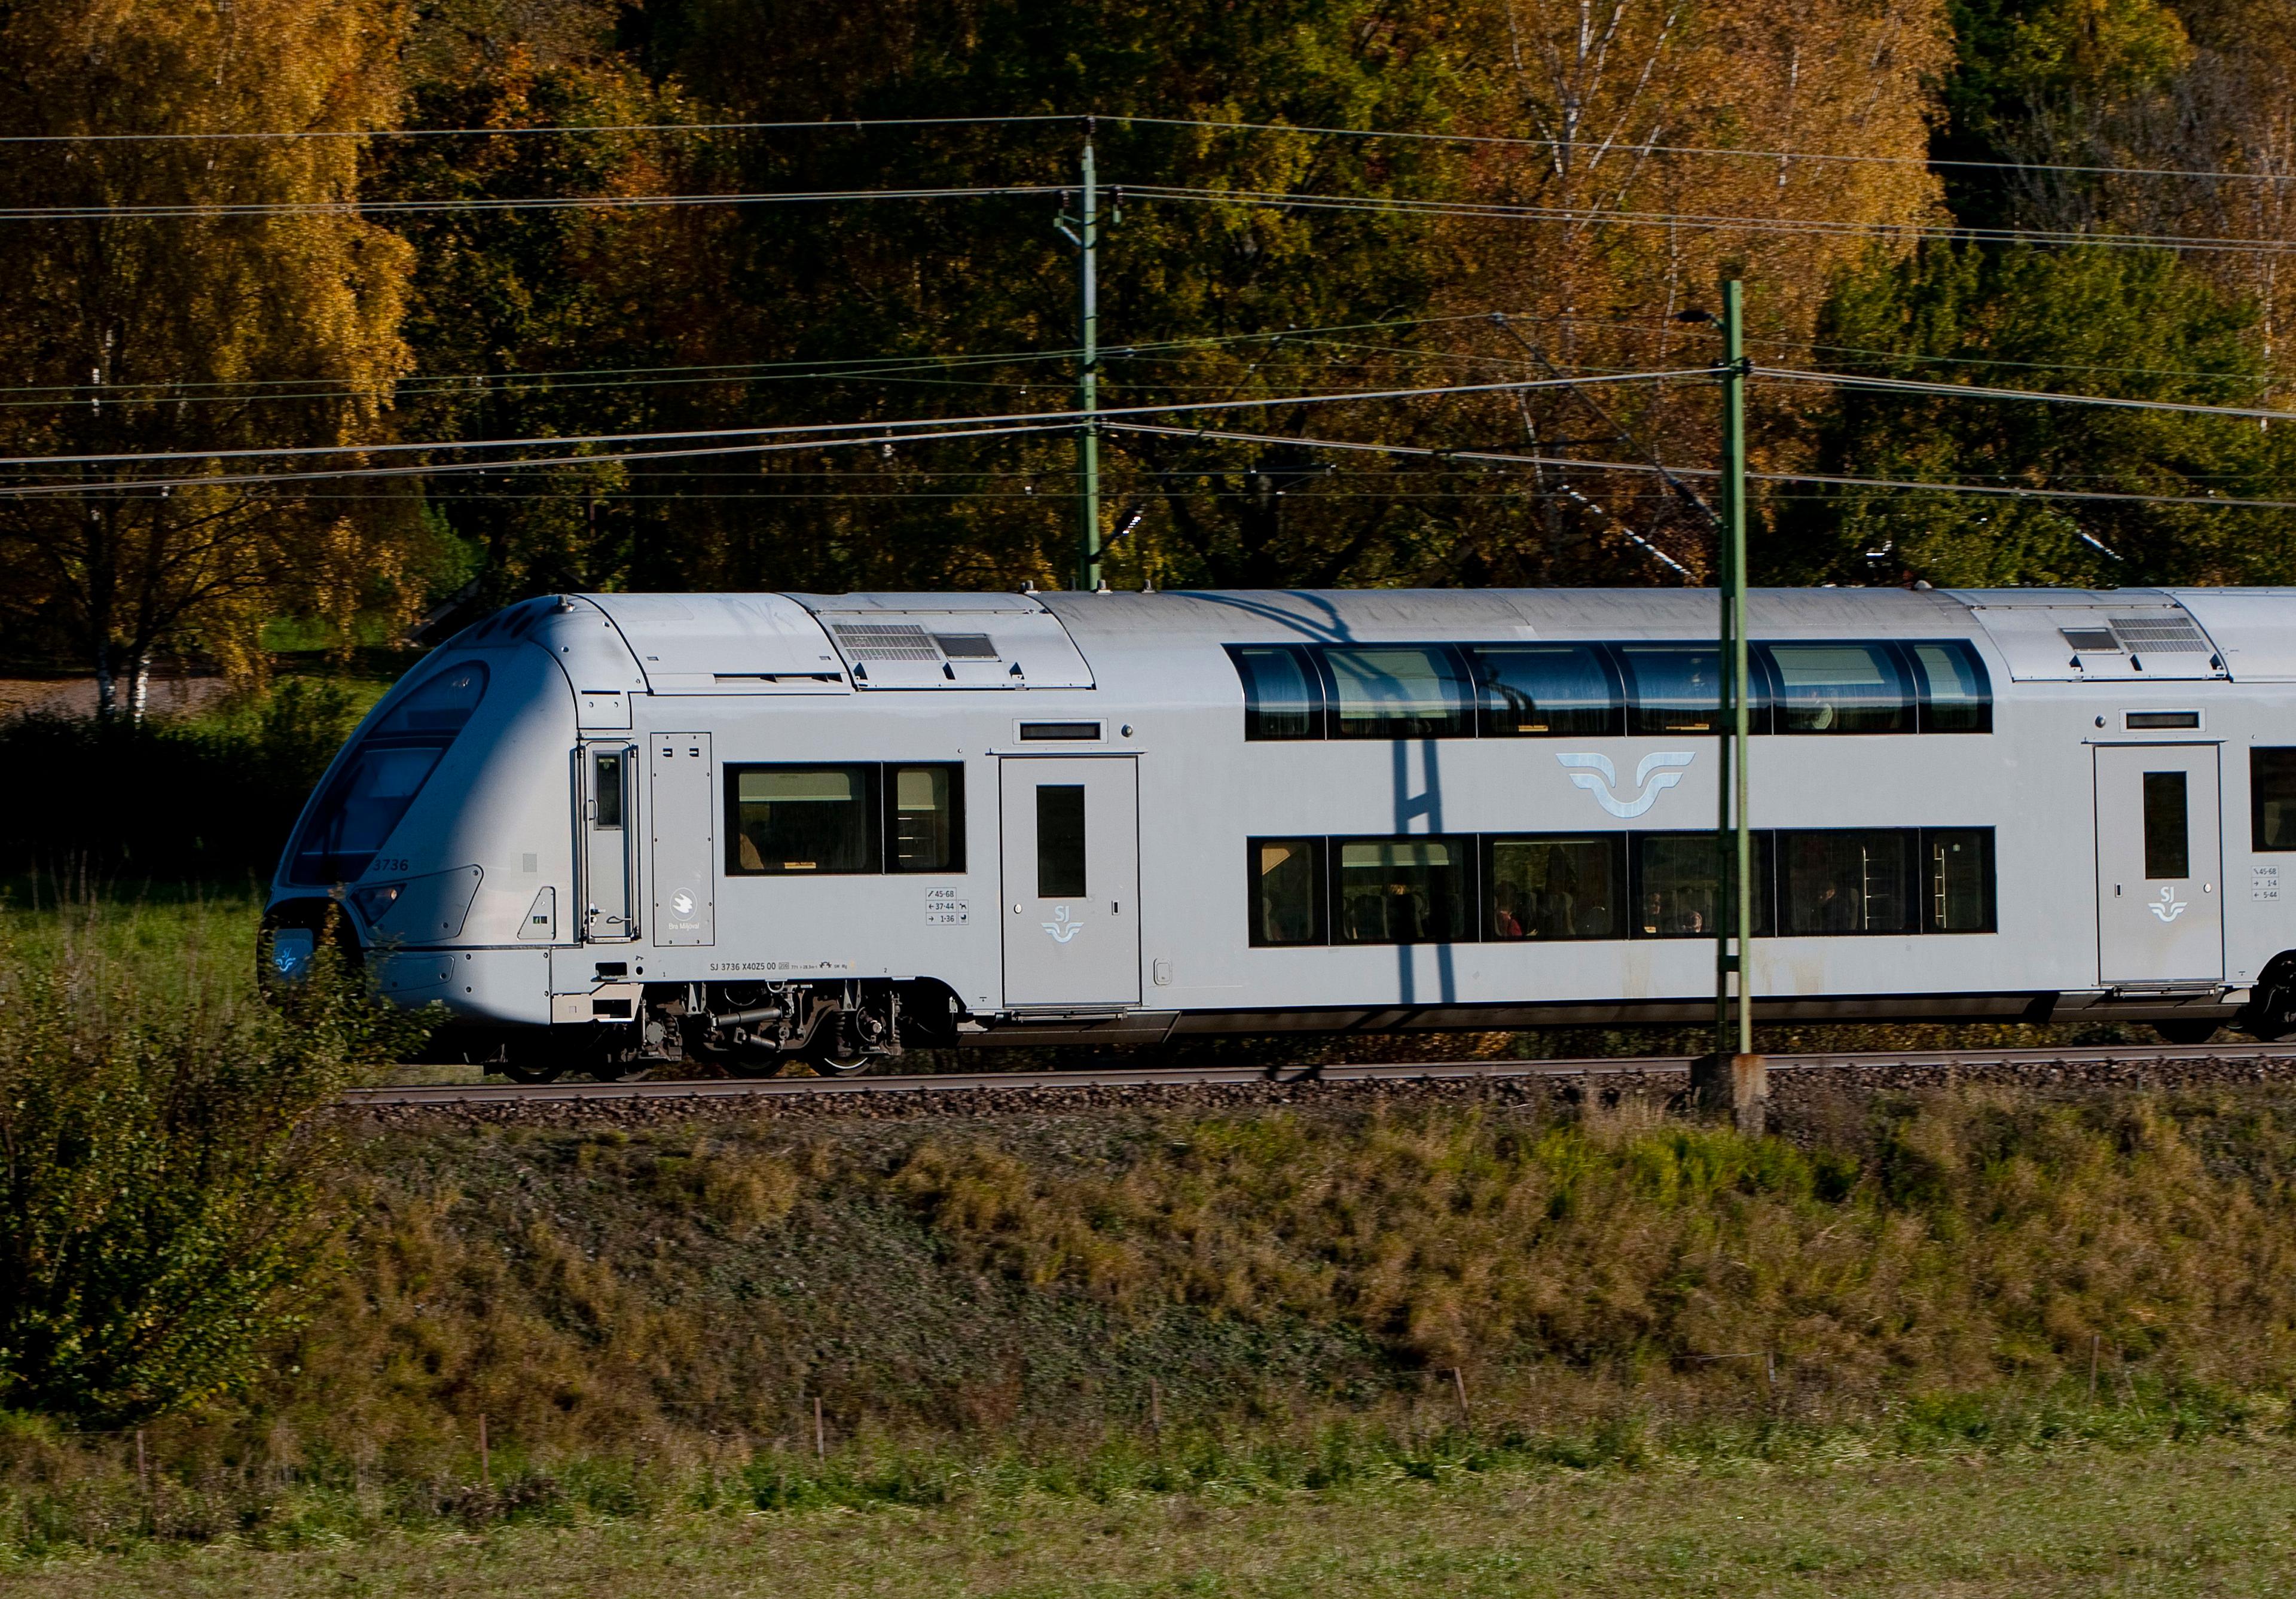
(500, 890)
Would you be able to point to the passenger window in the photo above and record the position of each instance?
(1282, 696)
(1677, 688)
(1677, 885)
(606, 784)
(1845, 880)
(1546, 691)
(1957, 695)
(1287, 891)
(1555, 888)
(2167, 838)
(924, 821)
(1838, 688)
(1060, 840)
(802, 819)
(1403, 890)
(2271, 799)
(1957, 863)
(1388, 691)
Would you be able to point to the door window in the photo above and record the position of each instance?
(1060, 840)
(606, 768)
(2167, 836)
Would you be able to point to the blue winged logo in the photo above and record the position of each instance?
(1657, 774)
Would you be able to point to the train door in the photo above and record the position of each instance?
(1072, 875)
(2160, 905)
(602, 790)
(682, 827)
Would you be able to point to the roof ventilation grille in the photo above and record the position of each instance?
(2164, 632)
(884, 640)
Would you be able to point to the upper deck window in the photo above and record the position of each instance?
(1283, 695)
(1546, 691)
(379, 780)
(1840, 688)
(1397, 691)
(1677, 688)
(1957, 695)
(1563, 689)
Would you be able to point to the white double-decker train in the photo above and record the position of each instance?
(608, 830)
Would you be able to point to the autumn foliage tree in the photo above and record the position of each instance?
(191, 293)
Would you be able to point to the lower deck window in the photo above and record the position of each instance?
(1542, 886)
(1287, 891)
(1847, 880)
(2271, 799)
(1679, 886)
(1957, 879)
(924, 818)
(803, 819)
(1411, 891)
(1509, 887)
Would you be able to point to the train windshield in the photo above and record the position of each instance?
(380, 778)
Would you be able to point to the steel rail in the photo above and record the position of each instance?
(1405, 1071)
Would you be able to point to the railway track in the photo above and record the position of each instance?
(2265, 1059)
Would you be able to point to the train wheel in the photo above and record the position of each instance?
(530, 1069)
(828, 1064)
(2193, 1032)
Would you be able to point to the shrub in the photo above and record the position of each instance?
(164, 1201)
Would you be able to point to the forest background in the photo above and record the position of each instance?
(470, 245)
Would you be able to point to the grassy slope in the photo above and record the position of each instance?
(2163, 1522)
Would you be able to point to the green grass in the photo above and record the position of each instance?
(2218, 1520)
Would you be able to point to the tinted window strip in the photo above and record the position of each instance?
(1650, 688)
(1508, 888)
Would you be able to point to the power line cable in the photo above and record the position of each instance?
(1977, 391)
(1623, 147)
(1503, 459)
(824, 429)
(838, 125)
(1046, 417)
(826, 366)
(1398, 136)
(553, 202)
(1279, 200)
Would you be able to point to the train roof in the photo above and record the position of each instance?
(713, 642)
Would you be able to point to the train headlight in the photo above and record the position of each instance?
(291, 948)
(374, 902)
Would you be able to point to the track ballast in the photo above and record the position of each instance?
(2116, 1064)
